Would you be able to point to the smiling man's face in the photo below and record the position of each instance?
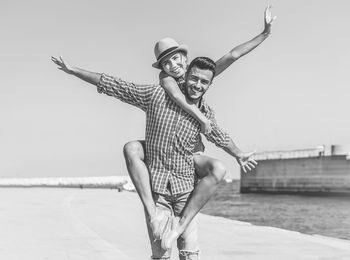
(197, 83)
(175, 64)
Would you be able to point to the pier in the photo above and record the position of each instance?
(104, 224)
(321, 170)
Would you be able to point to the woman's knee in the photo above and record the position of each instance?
(133, 149)
(217, 169)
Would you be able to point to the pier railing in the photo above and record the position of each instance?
(300, 153)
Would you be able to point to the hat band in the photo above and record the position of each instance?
(164, 53)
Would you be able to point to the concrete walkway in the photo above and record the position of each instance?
(54, 223)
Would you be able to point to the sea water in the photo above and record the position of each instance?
(322, 215)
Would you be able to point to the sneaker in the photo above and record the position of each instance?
(170, 235)
(159, 223)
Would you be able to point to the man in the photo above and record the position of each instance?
(171, 59)
(171, 135)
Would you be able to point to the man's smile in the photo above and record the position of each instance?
(194, 90)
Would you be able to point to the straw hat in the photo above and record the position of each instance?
(167, 46)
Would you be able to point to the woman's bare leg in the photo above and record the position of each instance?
(211, 171)
(134, 154)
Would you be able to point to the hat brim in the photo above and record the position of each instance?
(182, 47)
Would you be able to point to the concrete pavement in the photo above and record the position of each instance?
(59, 223)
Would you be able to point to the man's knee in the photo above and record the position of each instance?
(133, 149)
(217, 169)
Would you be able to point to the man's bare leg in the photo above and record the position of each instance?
(211, 172)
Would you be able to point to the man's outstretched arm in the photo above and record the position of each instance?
(245, 160)
(88, 76)
(221, 139)
(224, 62)
(128, 92)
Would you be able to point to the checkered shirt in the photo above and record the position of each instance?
(171, 133)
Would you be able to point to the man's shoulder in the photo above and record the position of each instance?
(158, 91)
(158, 88)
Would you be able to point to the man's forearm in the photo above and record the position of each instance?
(88, 76)
(232, 149)
(239, 51)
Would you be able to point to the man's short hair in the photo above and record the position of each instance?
(203, 63)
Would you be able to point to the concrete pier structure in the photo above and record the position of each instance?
(103, 224)
(324, 169)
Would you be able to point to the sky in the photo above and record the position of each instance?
(291, 92)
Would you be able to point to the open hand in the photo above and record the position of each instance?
(246, 161)
(62, 64)
(268, 19)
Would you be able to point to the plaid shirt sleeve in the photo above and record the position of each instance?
(133, 94)
(217, 136)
